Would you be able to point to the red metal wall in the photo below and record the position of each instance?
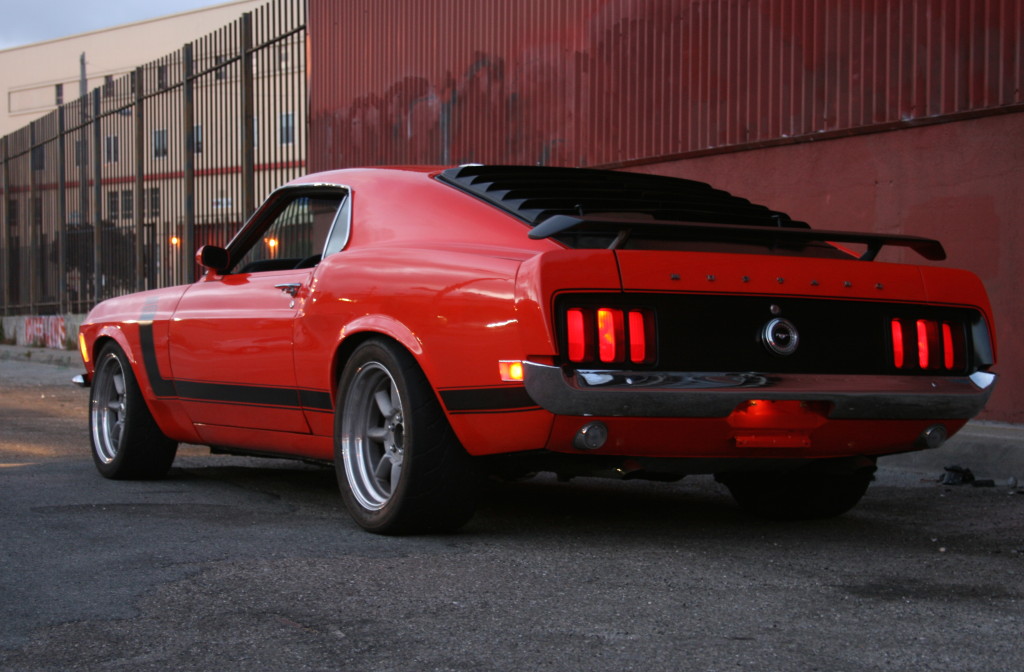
(685, 87)
(598, 82)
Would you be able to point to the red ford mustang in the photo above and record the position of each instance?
(424, 329)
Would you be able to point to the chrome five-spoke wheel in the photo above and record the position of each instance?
(108, 408)
(126, 441)
(400, 467)
(372, 436)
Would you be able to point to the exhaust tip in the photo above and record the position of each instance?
(591, 436)
(933, 437)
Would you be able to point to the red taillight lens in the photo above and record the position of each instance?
(897, 344)
(637, 337)
(610, 332)
(923, 327)
(948, 346)
(575, 327)
(610, 335)
(938, 345)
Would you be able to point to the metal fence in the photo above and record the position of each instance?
(113, 192)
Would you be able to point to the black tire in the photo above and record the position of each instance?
(802, 494)
(400, 468)
(126, 442)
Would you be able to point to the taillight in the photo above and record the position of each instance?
(610, 335)
(928, 345)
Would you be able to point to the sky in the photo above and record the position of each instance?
(28, 21)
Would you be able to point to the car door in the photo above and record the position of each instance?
(232, 333)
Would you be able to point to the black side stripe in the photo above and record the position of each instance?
(314, 400)
(226, 393)
(463, 400)
(162, 387)
(488, 399)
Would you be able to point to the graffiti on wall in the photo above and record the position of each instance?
(49, 331)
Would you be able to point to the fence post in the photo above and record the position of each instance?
(188, 122)
(83, 198)
(33, 231)
(5, 246)
(97, 197)
(62, 215)
(248, 122)
(140, 168)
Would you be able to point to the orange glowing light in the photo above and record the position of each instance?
(175, 241)
(510, 371)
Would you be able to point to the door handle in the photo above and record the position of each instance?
(289, 288)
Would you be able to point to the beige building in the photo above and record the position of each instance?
(35, 78)
(190, 121)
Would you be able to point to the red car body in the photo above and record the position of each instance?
(665, 330)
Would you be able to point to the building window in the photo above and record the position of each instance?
(111, 149)
(127, 203)
(154, 202)
(108, 86)
(112, 202)
(287, 128)
(197, 139)
(58, 94)
(79, 152)
(283, 53)
(12, 213)
(160, 143)
(161, 77)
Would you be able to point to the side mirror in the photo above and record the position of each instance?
(214, 258)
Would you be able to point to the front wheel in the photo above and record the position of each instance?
(798, 495)
(126, 442)
(400, 468)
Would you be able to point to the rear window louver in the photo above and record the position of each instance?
(535, 193)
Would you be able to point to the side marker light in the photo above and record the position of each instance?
(83, 348)
(511, 371)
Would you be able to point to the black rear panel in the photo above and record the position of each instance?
(726, 333)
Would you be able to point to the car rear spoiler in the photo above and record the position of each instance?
(765, 235)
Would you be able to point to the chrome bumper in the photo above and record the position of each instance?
(716, 395)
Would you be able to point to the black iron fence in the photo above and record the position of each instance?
(113, 192)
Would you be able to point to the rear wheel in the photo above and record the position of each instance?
(126, 442)
(400, 468)
(798, 495)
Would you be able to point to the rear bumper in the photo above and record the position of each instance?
(716, 395)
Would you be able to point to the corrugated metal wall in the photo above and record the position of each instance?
(613, 82)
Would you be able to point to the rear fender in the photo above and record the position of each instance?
(544, 275)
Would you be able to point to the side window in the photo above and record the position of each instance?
(295, 237)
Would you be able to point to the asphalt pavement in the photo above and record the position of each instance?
(235, 564)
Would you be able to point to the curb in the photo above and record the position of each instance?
(24, 353)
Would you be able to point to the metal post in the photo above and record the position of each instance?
(97, 197)
(140, 167)
(248, 114)
(5, 242)
(83, 194)
(62, 215)
(33, 231)
(189, 187)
